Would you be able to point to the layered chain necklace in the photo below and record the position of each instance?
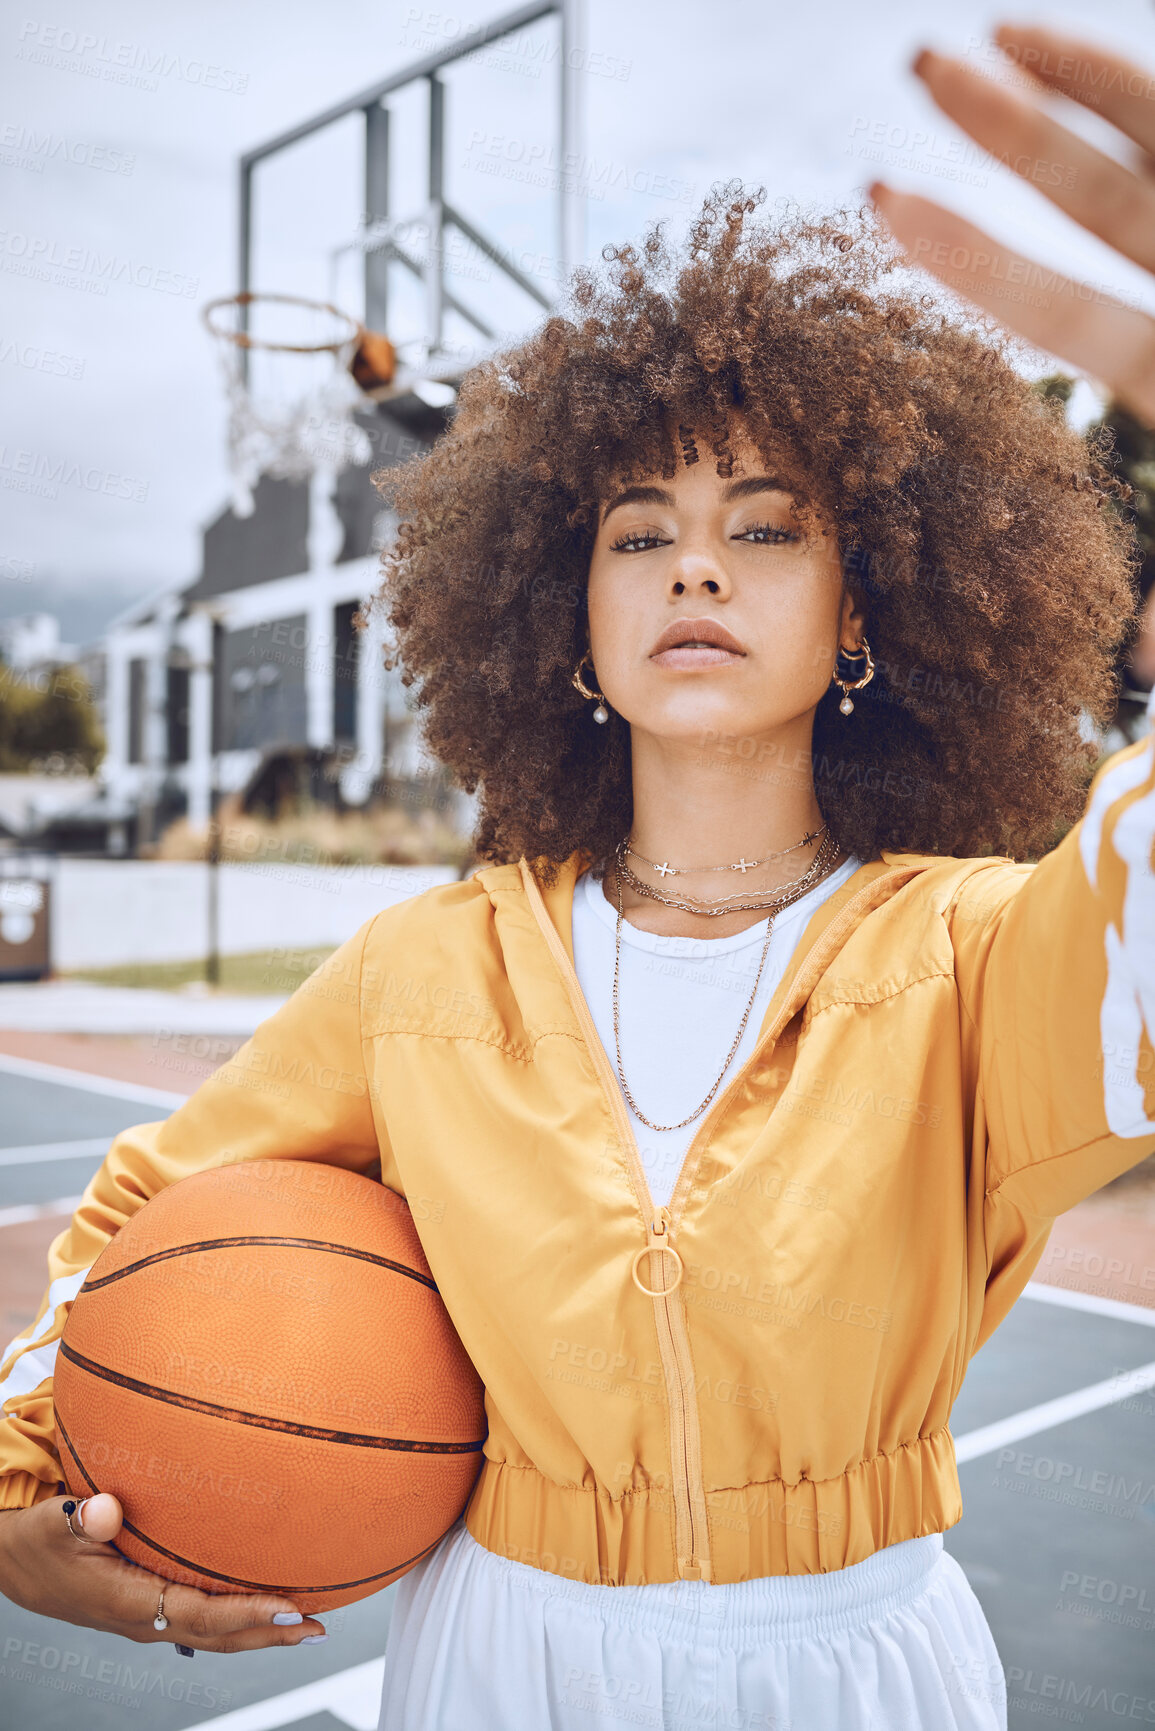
(772, 903)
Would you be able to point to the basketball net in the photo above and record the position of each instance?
(290, 411)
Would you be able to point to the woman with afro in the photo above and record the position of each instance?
(762, 602)
(805, 977)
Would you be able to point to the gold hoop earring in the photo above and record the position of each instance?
(847, 704)
(601, 713)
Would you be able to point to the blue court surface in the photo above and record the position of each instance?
(1053, 1430)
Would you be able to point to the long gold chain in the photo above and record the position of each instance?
(822, 863)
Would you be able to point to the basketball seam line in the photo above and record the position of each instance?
(233, 1415)
(233, 1580)
(250, 1243)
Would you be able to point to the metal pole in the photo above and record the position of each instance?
(146, 825)
(245, 260)
(213, 951)
(213, 946)
(376, 210)
(435, 272)
(571, 205)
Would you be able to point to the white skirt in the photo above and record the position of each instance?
(898, 1642)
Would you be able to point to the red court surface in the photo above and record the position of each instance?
(177, 1063)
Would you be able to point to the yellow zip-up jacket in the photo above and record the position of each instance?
(960, 1050)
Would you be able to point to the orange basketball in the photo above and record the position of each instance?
(260, 1368)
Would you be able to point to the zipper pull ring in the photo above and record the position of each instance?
(658, 1242)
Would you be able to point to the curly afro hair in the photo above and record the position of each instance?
(983, 534)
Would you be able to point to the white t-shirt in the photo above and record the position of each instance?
(680, 1004)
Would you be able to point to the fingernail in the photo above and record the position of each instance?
(189, 1652)
(284, 1618)
(919, 64)
(311, 1640)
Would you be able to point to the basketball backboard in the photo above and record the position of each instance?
(438, 205)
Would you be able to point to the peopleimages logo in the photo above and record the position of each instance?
(963, 261)
(120, 62)
(83, 268)
(37, 360)
(34, 472)
(502, 154)
(78, 1673)
(23, 147)
(516, 51)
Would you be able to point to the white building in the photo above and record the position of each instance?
(259, 657)
(32, 641)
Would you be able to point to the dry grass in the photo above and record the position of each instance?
(387, 835)
(260, 972)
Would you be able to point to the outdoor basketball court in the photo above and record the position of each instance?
(415, 209)
(1053, 1432)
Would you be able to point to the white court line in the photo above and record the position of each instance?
(1089, 1301)
(33, 1152)
(352, 1696)
(91, 1084)
(1052, 1412)
(39, 1210)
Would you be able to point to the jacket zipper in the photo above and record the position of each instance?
(813, 967)
(690, 1541)
(691, 1528)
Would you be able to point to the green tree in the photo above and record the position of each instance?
(46, 715)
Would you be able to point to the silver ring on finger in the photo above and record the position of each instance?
(71, 1506)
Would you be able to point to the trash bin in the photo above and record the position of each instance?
(25, 908)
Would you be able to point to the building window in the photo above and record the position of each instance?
(346, 655)
(260, 685)
(137, 706)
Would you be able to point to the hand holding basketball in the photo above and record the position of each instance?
(46, 1570)
(259, 1366)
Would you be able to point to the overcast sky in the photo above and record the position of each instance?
(122, 124)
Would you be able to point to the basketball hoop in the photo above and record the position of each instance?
(290, 392)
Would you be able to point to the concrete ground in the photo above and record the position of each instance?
(1053, 1431)
(72, 1006)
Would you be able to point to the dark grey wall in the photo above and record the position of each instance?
(273, 542)
(396, 435)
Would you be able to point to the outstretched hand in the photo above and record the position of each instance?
(1081, 324)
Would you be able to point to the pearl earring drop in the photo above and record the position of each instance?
(847, 704)
(601, 713)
